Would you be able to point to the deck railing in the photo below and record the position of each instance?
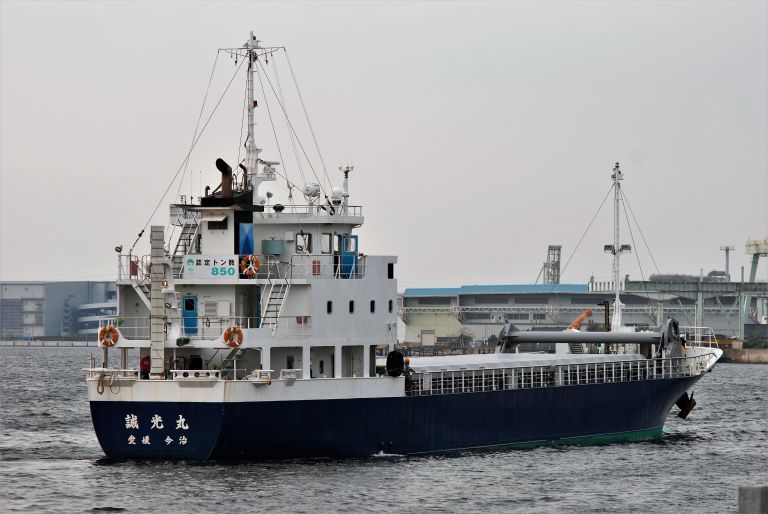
(700, 336)
(207, 327)
(310, 210)
(301, 265)
(526, 377)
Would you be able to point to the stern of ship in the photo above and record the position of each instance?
(155, 419)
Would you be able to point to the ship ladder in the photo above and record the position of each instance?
(273, 307)
(228, 363)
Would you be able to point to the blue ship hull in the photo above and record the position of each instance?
(401, 425)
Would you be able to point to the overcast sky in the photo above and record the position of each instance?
(480, 132)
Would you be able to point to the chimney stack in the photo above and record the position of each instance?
(226, 178)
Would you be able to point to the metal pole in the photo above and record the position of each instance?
(616, 243)
(249, 86)
(727, 249)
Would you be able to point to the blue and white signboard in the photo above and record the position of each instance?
(210, 266)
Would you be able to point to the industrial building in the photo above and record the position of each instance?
(54, 309)
(736, 310)
(477, 312)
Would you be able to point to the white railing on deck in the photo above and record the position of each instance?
(323, 266)
(700, 336)
(481, 380)
(208, 327)
(311, 210)
(132, 267)
(112, 377)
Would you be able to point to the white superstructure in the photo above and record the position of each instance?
(287, 283)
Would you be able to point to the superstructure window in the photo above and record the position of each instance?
(304, 243)
(391, 270)
(390, 306)
(218, 225)
(373, 306)
(351, 306)
(326, 241)
(329, 307)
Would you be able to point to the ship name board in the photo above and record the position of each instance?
(210, 266)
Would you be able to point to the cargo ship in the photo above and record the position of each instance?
(250, 331)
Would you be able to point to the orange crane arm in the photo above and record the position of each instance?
(575, 324)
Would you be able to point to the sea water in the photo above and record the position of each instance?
(50, 461)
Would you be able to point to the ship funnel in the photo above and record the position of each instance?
(226, 178)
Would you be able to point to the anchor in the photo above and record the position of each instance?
(685, 404)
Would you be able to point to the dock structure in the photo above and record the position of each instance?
(435, 315)
(54, 309)
(755, 249)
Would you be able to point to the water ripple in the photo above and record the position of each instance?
(50, 461)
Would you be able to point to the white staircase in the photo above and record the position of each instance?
(273, 301)
(228, 363)
(142, 289)
(188, 241)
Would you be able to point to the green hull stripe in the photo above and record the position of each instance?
(637, 435)
(616, 437)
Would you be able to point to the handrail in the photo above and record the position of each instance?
(203, 327)
(300, 265)
(524, 377)
(312, 210)
(700, 336)
(324, 265)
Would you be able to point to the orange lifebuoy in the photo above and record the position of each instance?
(108, 336)
(233, 337)
(249, 265)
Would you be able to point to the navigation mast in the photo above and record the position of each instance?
(252, 161)
(616, 248)
(251, 152)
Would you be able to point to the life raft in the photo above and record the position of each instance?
(233, 337)
(108, 336)
(249, 265)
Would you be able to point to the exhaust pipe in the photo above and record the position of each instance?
(226, 178)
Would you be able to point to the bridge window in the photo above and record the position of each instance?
(304, 243)
(325, 242)
(218, 225)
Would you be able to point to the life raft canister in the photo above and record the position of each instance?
(108, 336)
(233, 337)
(249, 265)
